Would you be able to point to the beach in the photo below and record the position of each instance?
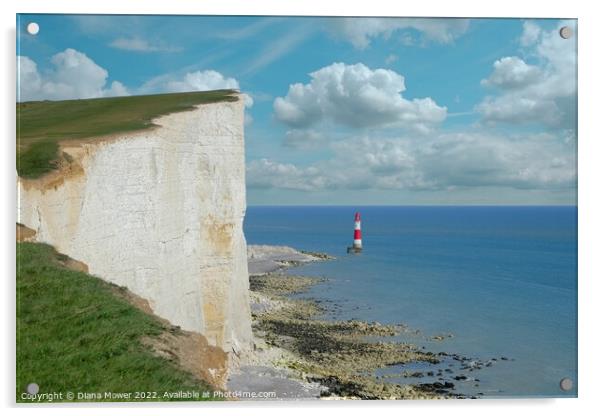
(300, 355)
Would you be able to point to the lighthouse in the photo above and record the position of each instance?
(357, 235)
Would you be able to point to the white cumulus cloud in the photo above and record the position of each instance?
(440, 162)
(356, 96)
(512, 72)
(206, 80)
(201, 81)
(520, 108)
(265, 173)
(74, 75)
(543, 93)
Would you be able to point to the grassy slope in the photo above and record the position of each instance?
(41, 124)
(74, 334)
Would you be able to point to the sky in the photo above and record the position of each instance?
(346, 111)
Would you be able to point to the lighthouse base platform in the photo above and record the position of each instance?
(354, 250)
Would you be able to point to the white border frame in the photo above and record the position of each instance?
(590, 214)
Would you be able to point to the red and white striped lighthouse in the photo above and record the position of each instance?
(357, 232)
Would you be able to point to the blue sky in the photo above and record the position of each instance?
(347, 111)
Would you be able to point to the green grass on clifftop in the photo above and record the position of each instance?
(74, 334)
(41, 124)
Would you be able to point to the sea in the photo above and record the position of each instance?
(499, 283)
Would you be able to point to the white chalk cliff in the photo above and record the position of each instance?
(160, 212)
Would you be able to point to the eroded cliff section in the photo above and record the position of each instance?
(160, 212)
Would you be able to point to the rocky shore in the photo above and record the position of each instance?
(300, 356)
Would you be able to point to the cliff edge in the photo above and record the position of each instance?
(160, 212)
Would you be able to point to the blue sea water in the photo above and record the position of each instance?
(501, 280)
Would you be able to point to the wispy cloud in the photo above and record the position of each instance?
(461, 114)
(361, 31)
(95, 25)
(249, 30)
(137, 44)
(391, 58)
(278, 48)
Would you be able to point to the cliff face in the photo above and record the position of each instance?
(160, 212)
